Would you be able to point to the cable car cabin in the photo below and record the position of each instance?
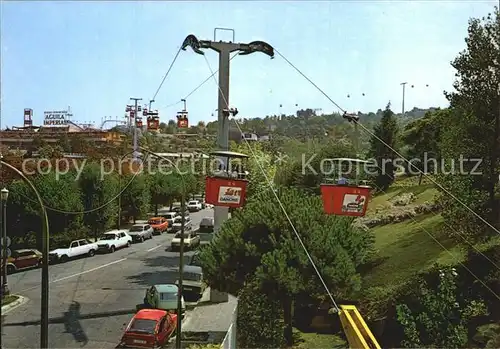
(138, 122)
(182, 119)
(346, 196)
(227, 185)
(128, 109)
(145, 112)
(153, 123)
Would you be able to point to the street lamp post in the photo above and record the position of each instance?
(44, 308)
(4, 195)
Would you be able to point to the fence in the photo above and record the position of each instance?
(229, 341)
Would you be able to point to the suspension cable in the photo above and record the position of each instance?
(199, 86)
(391, 148)
(166, 74)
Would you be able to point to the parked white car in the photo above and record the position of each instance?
(113, 240)
(194, 206)
(141, 232)
(178, 224)
(76, 248)
(191, 240)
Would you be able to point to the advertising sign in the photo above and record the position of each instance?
(229, 195)
(56, 118)
(353, 203)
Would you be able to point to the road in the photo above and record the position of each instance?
(91, 299)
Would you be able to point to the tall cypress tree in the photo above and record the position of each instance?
(386, 130)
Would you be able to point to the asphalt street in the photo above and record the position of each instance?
(91, 299)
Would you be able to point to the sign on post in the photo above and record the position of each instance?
(8, 241)
(9, 253)
(56, 118)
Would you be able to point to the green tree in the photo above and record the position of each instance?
(441, 316)
(60, 192)
(253, 312)
(422, 139)
(136, 197)
(95, 192)
(259, 241)
(474, 130)
(387, 131)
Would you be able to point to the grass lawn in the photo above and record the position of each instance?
(406, 248)
(9, 299)
(314, 340)
(423, 193)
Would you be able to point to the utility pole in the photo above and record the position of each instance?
(178, 336)
(134, 126)
(224, 49)
(403, 104)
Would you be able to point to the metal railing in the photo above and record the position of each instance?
(229, 341)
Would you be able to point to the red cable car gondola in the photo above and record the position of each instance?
(138, 122)
(153, 121)
(227, 188)
(346, 197)
(182, 119)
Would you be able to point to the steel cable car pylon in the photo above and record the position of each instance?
(182, 117)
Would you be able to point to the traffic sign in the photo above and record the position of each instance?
(9, 252)
(8, 241)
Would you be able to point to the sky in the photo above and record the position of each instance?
(93, 56)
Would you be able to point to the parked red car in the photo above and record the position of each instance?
(149, 328)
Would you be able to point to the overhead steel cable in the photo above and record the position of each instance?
(392, 149)
(432, 180)
(100, 207)
(273, 189)
(198, 87)
(166, 74)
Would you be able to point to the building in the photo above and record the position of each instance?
(56, 126)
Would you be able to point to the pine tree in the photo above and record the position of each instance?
(387, 130)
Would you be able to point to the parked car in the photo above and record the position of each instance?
(195, 259)
(191, 240)
(141, 232)
(169, 216)
(207, 225)
(23, 259)
(194, 206)
(76, 248)
(149, 328)
(178, 211)
(192, 281)
(188, 224)
(164, 297)
(113, 240)
(159, 225)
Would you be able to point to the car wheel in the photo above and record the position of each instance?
(91, 253)
(128, 244)
(63, 259)
(112, 249)
(11, 269)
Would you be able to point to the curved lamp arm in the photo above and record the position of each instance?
(44, 338)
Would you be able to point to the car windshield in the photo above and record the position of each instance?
(108, 237)
(195, 260)
(192, 276)
(143, 325)
(136, 228)
(168, 296)
(187, 235)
